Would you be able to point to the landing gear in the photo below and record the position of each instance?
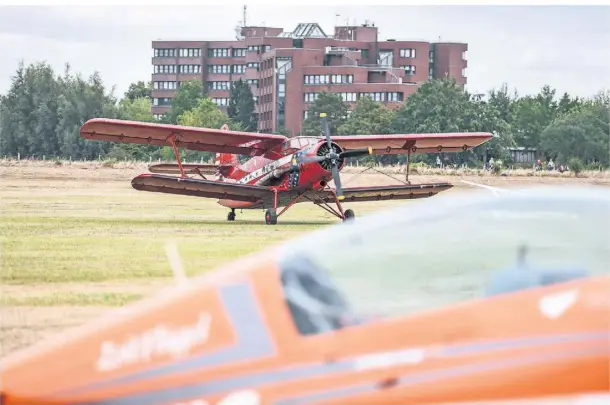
(271, 216)
(348, 215)
(231, 216)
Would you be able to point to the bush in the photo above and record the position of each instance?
(497, 167)
(576, 165)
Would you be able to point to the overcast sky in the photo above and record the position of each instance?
(567, 47)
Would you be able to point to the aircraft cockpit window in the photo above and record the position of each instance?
(429, 254)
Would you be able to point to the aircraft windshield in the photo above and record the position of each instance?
(431, 254)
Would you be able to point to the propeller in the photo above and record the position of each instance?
(334, 158)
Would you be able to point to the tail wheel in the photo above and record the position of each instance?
(348, 215)
(271, 217)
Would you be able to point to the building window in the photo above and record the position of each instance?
(407, 53)
(463, 72)
(464, 55)
(254, 48)
(165, 53)
(164, 69)
(239, 68)
(158, 116)
(219, 85)
(267, 48)
(239, 52)
(431, 57)
(219, 69)
(253, 65)
(342, 79)
(316, 79)
(395, 96)
(190, 53)
(253, 81)
(221, 102)
(190, 69)
(218, 52)
(162, 102)
(409, 69)
(164, 85)
(310, 97)
(348, 97)
(378, 96)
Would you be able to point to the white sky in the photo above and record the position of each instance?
(567, 47)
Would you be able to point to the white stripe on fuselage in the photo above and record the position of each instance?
(265, 169)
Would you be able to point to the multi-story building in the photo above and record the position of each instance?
(287, 70)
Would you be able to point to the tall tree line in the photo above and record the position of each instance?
(42, 112)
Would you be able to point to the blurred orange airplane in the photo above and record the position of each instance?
(416, 305)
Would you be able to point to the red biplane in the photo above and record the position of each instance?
(282, 171)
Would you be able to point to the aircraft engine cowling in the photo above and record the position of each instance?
(323, 151)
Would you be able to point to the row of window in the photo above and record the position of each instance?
(407, 53)
(326, 79)
(172, 69)
(226, 69)
(173, 52)
(259, 48)
(173, 85)
(226, 52)
(352, 97)
(409, 69)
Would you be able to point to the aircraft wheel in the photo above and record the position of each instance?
(348, 215)
(271, 217)
(231, 216)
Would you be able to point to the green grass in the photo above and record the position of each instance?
(70, 299)
(87, 231)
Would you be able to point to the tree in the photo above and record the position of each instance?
(583, 133)
(242, 107)
(137, 109)
(139, 89)
(368, 117)
(41, 114)
(443, 106)
(206, 114)
(187, 98)
(330, 103)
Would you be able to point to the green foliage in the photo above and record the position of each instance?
(576, 165)
(139, 90)
(368, 117)
(583, 132)
(187, 98)
(42, 112)
(330, 103)
(497, 166)
(241, 106)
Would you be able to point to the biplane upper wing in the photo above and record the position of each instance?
(414, 143)
(201, 188)
(193, 138)
(382, 193)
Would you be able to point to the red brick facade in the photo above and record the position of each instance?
(288, 70)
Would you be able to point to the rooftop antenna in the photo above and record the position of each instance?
(245, 10)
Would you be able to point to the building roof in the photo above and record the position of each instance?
(305, 30)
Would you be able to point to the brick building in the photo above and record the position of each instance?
(287, 70)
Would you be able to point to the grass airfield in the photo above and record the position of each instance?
(76, 239)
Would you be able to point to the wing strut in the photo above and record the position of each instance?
(408, 165)
(172, 139)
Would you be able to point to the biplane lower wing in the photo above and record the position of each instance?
(173, 168)
(383, 193)
(193, 138)
(414, 143)
(201, 188)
